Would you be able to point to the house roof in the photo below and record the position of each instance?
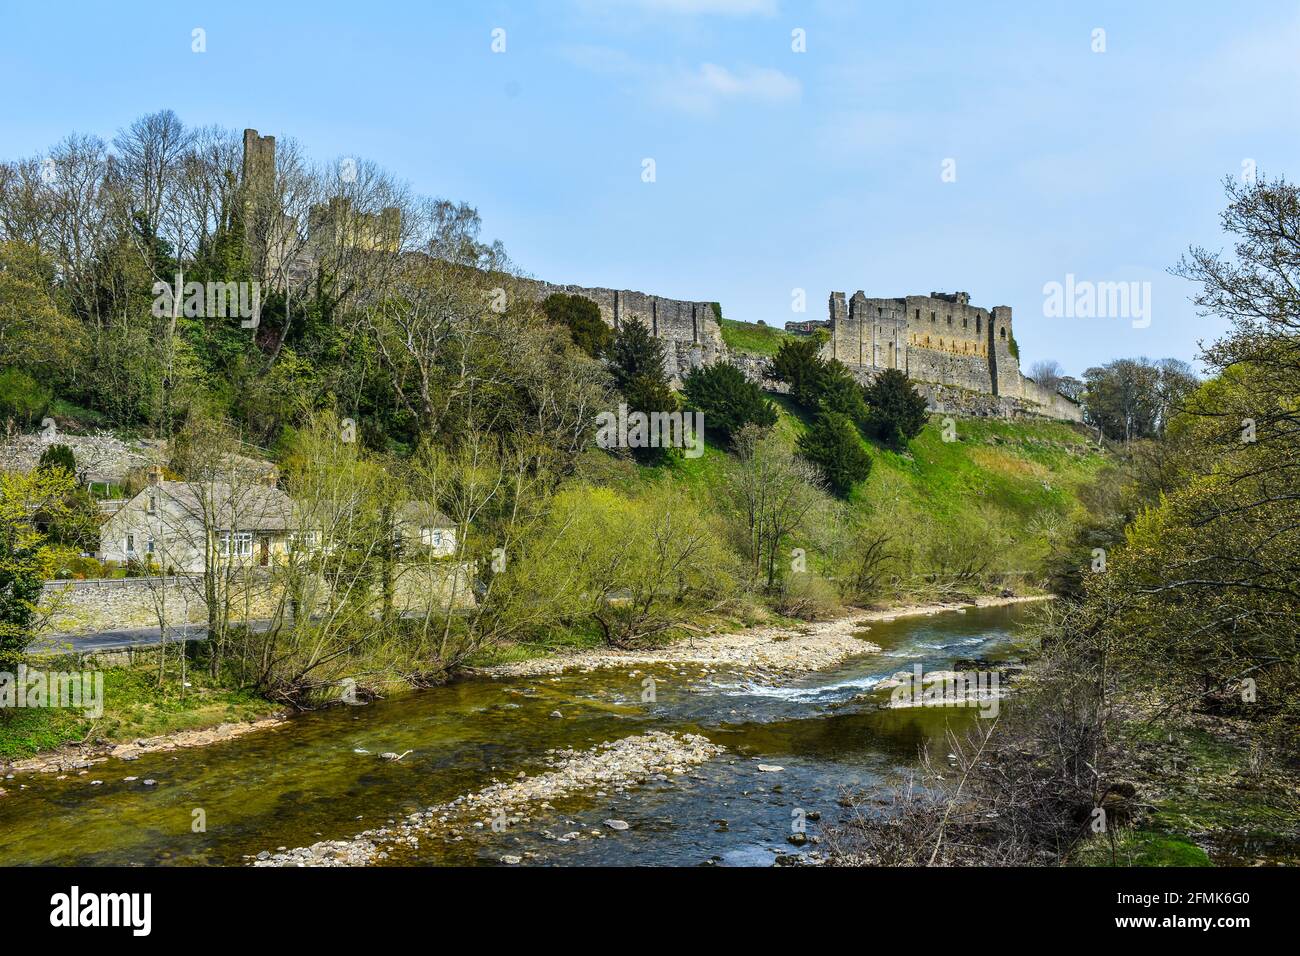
(249, 507)
(421, 514)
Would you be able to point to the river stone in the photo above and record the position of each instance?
(616, 824)
(769, 768)
(511, 860)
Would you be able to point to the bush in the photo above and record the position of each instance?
(807, 597)
(897, 412)
(58, 456)
(833, 444)
(727, 399)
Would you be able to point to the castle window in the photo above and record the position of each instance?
(1002, 332)
(978, 325)
(950, 318)
(931, 316)
(965, 322)
(918, 315)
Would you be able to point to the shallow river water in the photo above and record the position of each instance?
(306, 781)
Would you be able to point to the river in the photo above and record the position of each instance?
(319, 777)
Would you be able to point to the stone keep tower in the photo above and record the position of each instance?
(939, 338)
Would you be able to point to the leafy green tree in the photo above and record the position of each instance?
(727, 399)
(22, 397)
(582, 318)
(27, 557)
(20, 589)
(833, 444)
(896, 411)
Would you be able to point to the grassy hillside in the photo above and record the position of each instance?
(751, 337)
(1009, 489)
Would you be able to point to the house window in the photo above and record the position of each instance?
(304, 540)
(130, 544)
(148, 546)
(153, 504)
(242, 544)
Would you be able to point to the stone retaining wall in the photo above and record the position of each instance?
(110, 604)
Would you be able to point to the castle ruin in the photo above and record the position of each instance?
(944, 341)
(960, 356)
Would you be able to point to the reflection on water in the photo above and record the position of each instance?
(307, 781)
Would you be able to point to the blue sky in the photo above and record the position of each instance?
(775, 170)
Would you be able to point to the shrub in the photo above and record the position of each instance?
(833, 444)
(58, 456)
(727, 399)
(807, 597)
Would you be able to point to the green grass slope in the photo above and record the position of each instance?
(1012, 483)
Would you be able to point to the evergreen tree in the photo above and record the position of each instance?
(798, 364)
(727, 399)
(635, 353)
(833, 444)
(896, 411)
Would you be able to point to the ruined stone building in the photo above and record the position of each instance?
(944, 341)
(276, 243)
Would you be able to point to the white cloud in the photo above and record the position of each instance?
(705, 89)
(701, 90)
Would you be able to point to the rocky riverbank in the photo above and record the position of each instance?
(762, 653)
(77, 757)
(616, 766)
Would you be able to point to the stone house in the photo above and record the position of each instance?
(170, 524)
(423, 528)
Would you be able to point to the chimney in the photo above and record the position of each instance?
(272, 477)
(155, 474)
